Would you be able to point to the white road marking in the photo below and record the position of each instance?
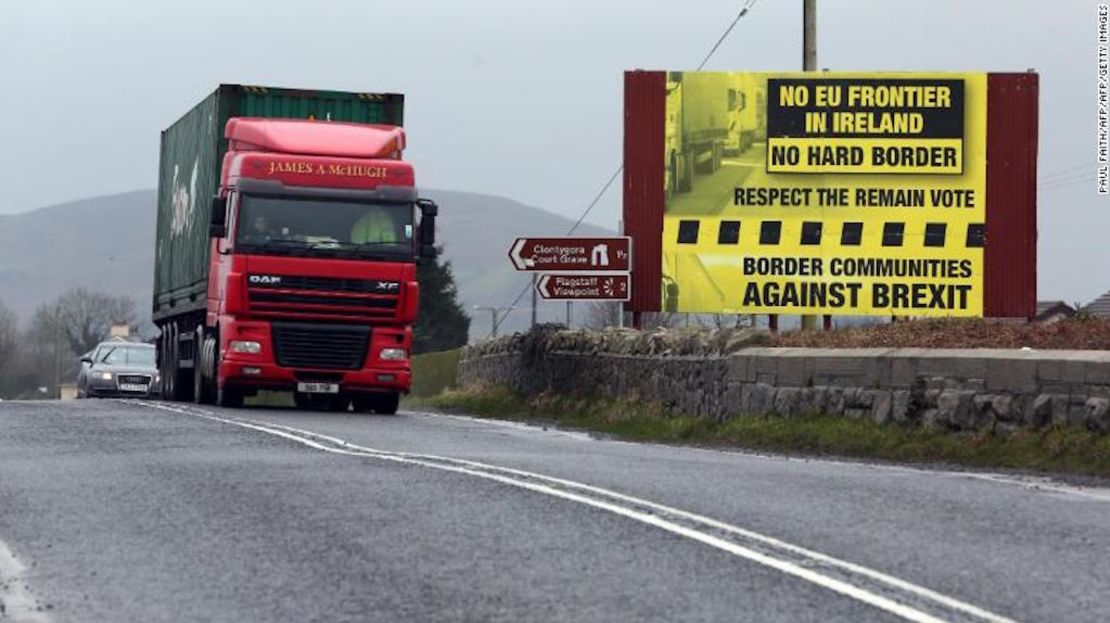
(894, 595)
(16, 602)
(1036, 484)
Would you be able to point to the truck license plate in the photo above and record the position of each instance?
(132, 387)
(318, 388)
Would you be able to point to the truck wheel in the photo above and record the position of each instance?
(686, 176)
(169, 363)
(181, 382)
(203, 387)
(388, 403)
(339, 404)
(229, 396)
(302, 401)
(384, 404)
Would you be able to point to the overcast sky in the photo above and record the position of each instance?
(520, 98)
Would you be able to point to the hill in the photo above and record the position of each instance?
(107, 243)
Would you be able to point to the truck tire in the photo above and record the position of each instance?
(339, 404)
(387, 404)
(169, 363)
(229, 396)
(183, 383)
(204, 386)
(686, 175)
(302, 401)
(672, 174)
(381, 403)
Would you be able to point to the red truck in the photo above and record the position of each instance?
(286, 249)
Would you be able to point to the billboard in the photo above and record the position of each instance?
(824, 193)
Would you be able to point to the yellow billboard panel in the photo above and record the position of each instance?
(825, 193)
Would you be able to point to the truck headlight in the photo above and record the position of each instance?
(104, 376)
(240, 346)
(393, 354)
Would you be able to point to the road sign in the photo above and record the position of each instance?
(572, 254)
(580, 287)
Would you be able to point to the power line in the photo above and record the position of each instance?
(743, 11)
(748, 4)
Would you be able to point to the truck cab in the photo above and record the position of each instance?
(314, 234)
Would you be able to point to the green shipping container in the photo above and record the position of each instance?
(189, 173)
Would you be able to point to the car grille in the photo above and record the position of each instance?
(327, 346)
(133, 379)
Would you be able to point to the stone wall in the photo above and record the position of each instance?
(1001, 390)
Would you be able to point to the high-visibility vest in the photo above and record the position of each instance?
(373, 227)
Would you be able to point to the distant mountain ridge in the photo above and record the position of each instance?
(107, 243)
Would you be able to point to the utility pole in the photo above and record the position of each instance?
(493, 316)
(809, 63)
(809, 35)
(57, 355)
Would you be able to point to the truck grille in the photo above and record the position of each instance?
(290, 294)
(327, 346)
(325, 284)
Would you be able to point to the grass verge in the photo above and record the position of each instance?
(434, 373)
(1055, 450)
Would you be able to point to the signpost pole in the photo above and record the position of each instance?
(535, 294)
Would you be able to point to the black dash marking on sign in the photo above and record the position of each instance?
(935, 234)
(729, 232)
(770, 232)
(688, 232)
(892, 234)
(975, 235)
(851, 234)
(811, 232)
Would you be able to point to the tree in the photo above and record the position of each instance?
(85, 317)
(9, 342)
(441, 324)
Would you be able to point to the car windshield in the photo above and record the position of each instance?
(126, 356)
(325, 227)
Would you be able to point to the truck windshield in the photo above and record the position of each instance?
(324, 227)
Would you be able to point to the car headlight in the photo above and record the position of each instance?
(393, 354)
(240, 346)
(104, 376)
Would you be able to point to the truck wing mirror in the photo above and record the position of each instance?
(427, 232)
(217, 226)
(428, 207)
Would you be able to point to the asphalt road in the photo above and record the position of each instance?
(113, 511)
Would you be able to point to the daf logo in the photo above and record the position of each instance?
(265, 279)
(388, 285)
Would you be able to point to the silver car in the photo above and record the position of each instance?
(118, 368)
